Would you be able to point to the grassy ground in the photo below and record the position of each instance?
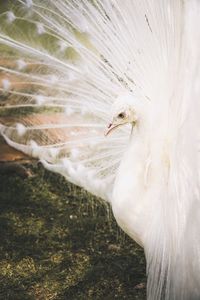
(59, 242)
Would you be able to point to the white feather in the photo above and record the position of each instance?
(10, 16)
(6, 84)
(21, 129)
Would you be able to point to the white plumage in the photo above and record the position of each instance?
(70, 67)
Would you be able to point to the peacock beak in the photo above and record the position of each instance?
(110, 128)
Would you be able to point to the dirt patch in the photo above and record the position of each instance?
(8, 154)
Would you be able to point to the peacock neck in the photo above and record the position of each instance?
(140, 178)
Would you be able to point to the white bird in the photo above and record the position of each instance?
(68, 68)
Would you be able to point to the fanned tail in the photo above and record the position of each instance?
(57, 87)
(63, 63)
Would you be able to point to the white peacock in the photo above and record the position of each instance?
(75, 64)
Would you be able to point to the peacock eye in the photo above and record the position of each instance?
(121, 115)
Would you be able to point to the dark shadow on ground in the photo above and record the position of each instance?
(59, 242)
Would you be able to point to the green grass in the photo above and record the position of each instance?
(59, 242)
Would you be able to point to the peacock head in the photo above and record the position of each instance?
(124, 111)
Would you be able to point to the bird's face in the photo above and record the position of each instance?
(122, 113)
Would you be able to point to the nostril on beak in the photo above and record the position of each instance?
(109, 125)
